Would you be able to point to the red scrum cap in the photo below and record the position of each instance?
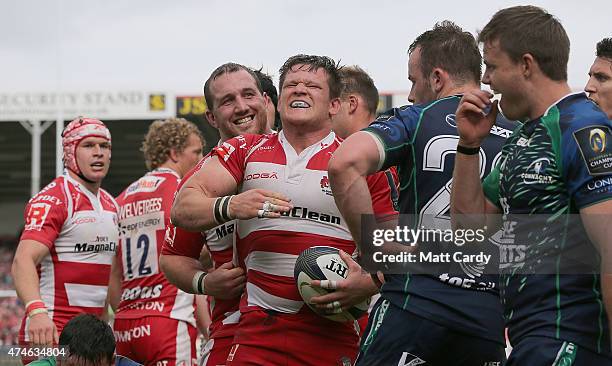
(75, 132)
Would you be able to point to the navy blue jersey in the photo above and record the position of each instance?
(421, 140)
(552, 167)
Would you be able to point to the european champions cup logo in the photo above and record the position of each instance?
(597, 139)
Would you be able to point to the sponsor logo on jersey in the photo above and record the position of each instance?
(469, 283)
(523, 142)
(224, 230)
(139, 225)
(408, 359)
(600, 185)
(536, 172)
(305, 213)
(139, 208)
(595, 146)
(149, 305)
(37, 215)
(500, 131)
(134, 333)
(262, 175)
(325, 187)
(145, 292)
(95, 248)
(450, 119)
(84, 220)
(46, 198)
(145, 184)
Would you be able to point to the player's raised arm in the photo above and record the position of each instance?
(473, 124)
(347, 172)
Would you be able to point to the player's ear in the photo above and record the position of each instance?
(211, 119)
(334, 106)
(528, 65)
(267, 99)
(438, 79)
(353, 101)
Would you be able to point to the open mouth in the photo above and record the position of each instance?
(244, 120)
(299, 104)
(97, 165)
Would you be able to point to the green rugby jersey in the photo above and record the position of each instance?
(551, 167)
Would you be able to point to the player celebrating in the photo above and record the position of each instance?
(232, 93)
(62, 264)
(154, 321)
(271, 231)
(552, 185)
(437, 315)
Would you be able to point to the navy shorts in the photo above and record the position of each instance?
(540, 351)
(398, 337)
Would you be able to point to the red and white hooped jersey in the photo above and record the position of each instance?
(220, 242)
(144, 212)
(80, 230)
(268, 248)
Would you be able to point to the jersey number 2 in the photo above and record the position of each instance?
(435, 213)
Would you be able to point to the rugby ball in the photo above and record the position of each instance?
(324, 263)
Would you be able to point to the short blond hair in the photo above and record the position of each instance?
(164, 135)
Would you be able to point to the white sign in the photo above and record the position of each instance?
(95, 104)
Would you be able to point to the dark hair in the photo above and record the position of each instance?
(354, 80)
(314, 63)
(604, 48)
(226, 69)
(450, 48)
(268, 87)
(530, 29)
(88, 339)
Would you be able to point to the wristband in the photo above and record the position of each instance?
(197, 283)
(221, 209)
(468, 150)
(34, 304)
(29, 303)
(37, 311)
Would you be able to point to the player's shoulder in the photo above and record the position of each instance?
(108, 202)
(248, 140)
(403, 114)
(52, 198)
(412, 115)
(52, 192)
(576, 112)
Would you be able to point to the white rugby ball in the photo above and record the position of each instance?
(324, 263)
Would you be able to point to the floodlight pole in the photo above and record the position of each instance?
(35, 129)
(59, 150)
